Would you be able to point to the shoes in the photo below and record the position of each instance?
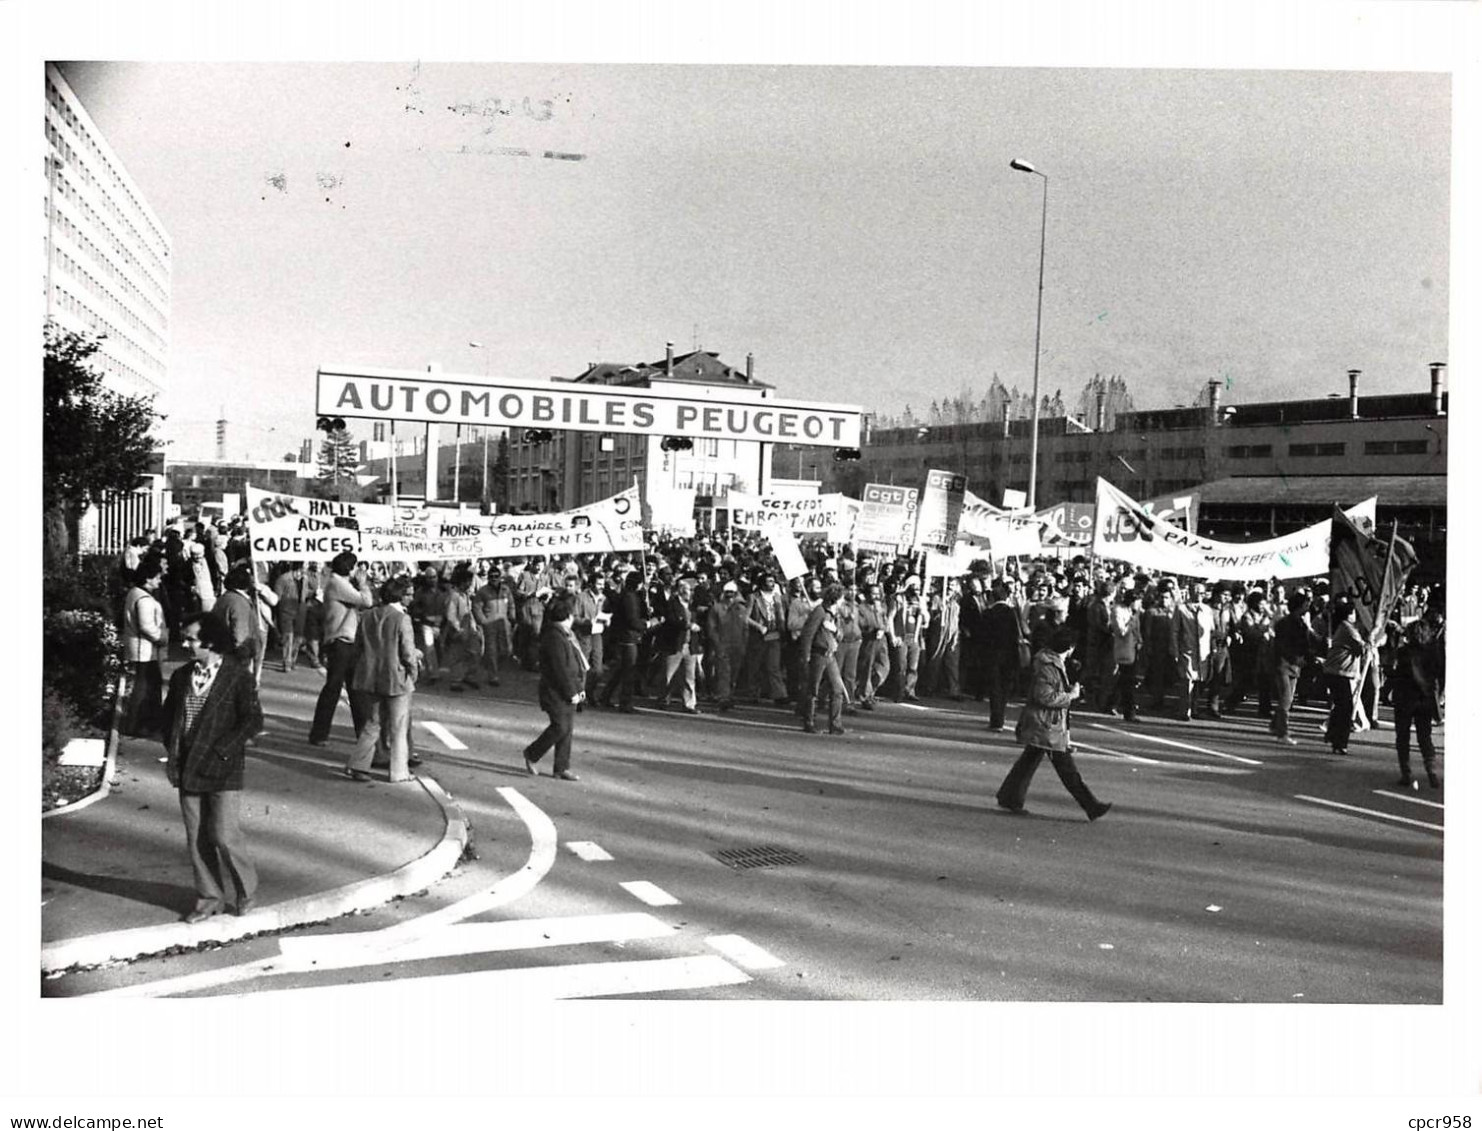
(456, 687)
(1341, 751)
(1101, 810)
(201, 914)
(995, 726)
(691, 710)
(318, 741)
(724, 707)
(836, 730)
(414, 760)
(866, 704)
(1132, 718)
(356, 775)
(1434, 779)
(910, 699)
(1186, 717)
(566, 775)
(245, 905)
(851, 710)
(493, 683)
(1407, 782)
(1002, 804)
(530, 768)
(809, 728)
(1288, 739)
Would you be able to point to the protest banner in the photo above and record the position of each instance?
(393, 394)
(1067, 524)
(1368, 571)
(294, 526)
(1005, 533)
(822, 516)
(672, 512)
(785, 546)
(1124, 532)
(940, 512)
(887, 519)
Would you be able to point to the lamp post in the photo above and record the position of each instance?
(1026, 167)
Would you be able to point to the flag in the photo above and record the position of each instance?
(1398, 564)
(1356, 569)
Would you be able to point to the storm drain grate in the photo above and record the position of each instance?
(760, 856)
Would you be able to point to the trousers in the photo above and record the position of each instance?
(218, 851)
(388, 713)
(556, 734)
(339, 661)
(1014, 788)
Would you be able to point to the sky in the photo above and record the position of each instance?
(857, 228)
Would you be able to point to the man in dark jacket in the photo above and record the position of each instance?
(819, 642)
(1003, 631)
(1293, 643)
(674, 640)
(210, 713)
(1414, 691)
(563, 678)
(630, 620)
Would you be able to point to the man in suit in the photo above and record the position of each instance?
(675, 642)
(563, 676)
(386, 666)
(210, 713)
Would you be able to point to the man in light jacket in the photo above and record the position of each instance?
(386, 665)
(345, 594)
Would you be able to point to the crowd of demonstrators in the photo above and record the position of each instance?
(712, 622)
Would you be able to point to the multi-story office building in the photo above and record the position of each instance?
(108, 256)
(575, 468)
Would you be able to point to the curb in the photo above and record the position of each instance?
(110, 760)
(363, 895)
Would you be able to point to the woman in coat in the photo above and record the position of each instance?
(210, 714)
(1045, 729)
(563, 678)
(144, 644)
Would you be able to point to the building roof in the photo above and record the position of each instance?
(699, 366)
(1321, 490)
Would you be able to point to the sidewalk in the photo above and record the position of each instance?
(115, 880)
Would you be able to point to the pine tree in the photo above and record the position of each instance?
(338, 458)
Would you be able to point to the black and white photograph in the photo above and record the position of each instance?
(921, 535)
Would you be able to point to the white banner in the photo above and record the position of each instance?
(1003, 532)
(887, 519)
(785, 546)
(295, 526)
(672, 512)
(393, 394)
(823, 516)
(1125, 533)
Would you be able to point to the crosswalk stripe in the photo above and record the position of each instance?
(587, 850)
(1179, 745)
(651, 894)
(443, 734)
(1370, 812)
(1409, 798)
(346, 950)
(744, 953)
(1079, 746)
(556, 983)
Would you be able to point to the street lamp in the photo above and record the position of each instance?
(1026, 167)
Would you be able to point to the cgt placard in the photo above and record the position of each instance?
(887, 519)
(820, 516)
(940, 513)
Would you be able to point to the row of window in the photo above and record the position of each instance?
(64, 111)
(1181, 453)
(79, 238)
(109, 301)
(68, 192)
(1329, 450)
(117, 340)
(1075, 455)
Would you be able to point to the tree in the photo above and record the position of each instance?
(95, 442)
(338, 458)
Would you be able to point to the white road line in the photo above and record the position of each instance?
(1179, 745)
(588, 850)
(651, 894)
(1079, 746)
(507, 890)
(443, 734)
(556, 983)
(1370, 812)
(342, 951)
(744, 953)
(1409, 798)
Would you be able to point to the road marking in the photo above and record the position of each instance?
(651, 894)
(555, 983)
(744, 953)
(1409, 798)
(443, 734)
(507, 890)
(587, 850)
(342, 951)
(1370, 812)
(1180, 745)
(1079, 746)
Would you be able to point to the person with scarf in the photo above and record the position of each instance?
(563, 676)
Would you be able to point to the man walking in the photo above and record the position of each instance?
(345, 594)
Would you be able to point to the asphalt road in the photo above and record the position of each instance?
(1231, 868)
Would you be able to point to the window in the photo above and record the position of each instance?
(1249, 451)
(1308, 451)
(1396, 447)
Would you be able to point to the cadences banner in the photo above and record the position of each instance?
(887, 519)
(822, 516)
(392, 394)
(297, 527)
(1124, 532)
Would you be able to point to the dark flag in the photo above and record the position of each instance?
(1368, 571)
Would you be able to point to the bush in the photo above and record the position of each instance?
(89, 586)
(59, 725)
(81, 659)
